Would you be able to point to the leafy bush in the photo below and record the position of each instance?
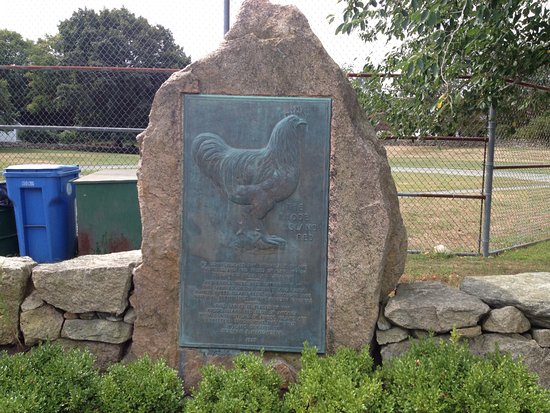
(428, 376)
(436, 376)
(48, 379)
(40, 136)
(497, 383)
(249, 387)
(143, 386)
(344, 382)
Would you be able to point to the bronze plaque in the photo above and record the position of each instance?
(255, 222)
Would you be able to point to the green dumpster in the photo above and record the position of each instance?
(108, 217)
(8, 230)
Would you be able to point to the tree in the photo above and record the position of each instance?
(455, 56)
(110, 38)
(8, 113)
(44, 106)
(14, 50)
(116, 38)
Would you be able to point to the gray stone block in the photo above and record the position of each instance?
(542, 337)
(506, 320)
(41, 324)
(88, 283)
(393, 335)
(528, 292)
(32, 302)
(114, 332)
(15, 274)
(433, 306)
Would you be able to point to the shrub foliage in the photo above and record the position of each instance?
(434, 376)
(143, 386)
(438, 376)
(344, 382)
(48, 379)
(250, 386)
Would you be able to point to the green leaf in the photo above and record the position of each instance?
(491, 40)
(432, 19)
(410, 70)
(424, 15)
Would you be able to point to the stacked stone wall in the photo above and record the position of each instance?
(511, 312)
(86, 303)
(83, 302)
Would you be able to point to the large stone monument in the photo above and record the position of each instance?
(270, 216)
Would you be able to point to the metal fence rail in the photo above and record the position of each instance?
(521, 181)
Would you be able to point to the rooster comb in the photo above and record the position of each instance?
(295, 110)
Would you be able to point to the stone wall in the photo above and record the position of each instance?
(511, 311)
(83, 302)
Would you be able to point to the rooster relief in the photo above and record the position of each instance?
(254, 179)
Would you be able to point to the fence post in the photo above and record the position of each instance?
(488, 189)
(226, 16)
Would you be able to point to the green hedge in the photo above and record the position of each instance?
(434, 376)
(344, 382)
(141, 387)
(47, 379)
(250, 386)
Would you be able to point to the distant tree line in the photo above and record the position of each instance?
(114, 38)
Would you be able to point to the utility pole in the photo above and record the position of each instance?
(226, 16)
(488, 190)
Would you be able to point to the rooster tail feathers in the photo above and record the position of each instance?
(209, 151)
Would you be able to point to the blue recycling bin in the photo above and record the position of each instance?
(43, 197)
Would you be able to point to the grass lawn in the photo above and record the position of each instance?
(520, 214)
(90, 160)
(441, 156)
(424, 182)
(434, 156)
(452, 269)
(518, 217)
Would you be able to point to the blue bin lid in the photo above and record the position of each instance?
(40, 170)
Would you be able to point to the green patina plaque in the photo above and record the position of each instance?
(255, 222)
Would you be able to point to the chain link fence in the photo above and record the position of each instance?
(81, 95)
(91, 118)
(80, 92)
(441, 181)
(520, 212)
(440, 184)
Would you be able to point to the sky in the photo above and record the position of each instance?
(197, 25)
